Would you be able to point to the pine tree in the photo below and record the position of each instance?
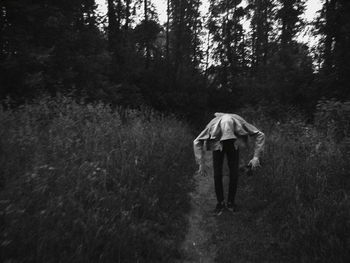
(333, 25)
(50, 46)
(185, 43)
(225, 25)
(291, 64)
(262, 19)
(289, 14)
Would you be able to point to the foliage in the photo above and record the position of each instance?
(87, 183)
(304, 186)
(333, 28)
(333, 118)
(266, 65)
(51, 46)
(262, 16)
(225, 26)
(133, 60)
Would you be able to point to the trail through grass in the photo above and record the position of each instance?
(198, 245)
(230, 237)
(295, 208)
(90, 183)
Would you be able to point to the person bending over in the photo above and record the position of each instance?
(222, 136)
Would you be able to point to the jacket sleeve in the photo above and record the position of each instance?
(198, 151)
(259, 138)
(198, 147)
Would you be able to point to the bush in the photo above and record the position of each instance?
(305, 184)
(333, 117)
(81, 184)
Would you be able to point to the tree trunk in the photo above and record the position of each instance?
(127, 15)
(111, 24)
(329, 32)
(147, 43)
(167, 34)
(207, 54)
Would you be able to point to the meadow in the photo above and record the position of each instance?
(86, 182)
(91, 183)
(301, 193)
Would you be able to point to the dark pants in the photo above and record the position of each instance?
(232, 160)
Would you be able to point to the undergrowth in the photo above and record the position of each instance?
(304, 183)
(85, 183)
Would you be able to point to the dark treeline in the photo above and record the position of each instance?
(189, 64)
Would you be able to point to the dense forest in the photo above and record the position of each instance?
(189, 64)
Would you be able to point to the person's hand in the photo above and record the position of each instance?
(202, 170)
(254, 163)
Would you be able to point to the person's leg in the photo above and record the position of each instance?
(218, 160)
(232, 161)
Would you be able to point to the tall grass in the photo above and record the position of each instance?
(83, 183)
(305, 183)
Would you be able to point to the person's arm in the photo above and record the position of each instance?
(259, 143)
(198, 149)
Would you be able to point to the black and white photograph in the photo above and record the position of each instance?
(174, 131)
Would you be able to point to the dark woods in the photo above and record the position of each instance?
(186, 65)
(90, 172)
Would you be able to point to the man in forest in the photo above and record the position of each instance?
(222, 136)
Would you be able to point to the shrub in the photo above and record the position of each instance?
(333, 117)
(81, 184)
(305, 182)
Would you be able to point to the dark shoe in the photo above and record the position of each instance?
(219, 208)
(231, 207)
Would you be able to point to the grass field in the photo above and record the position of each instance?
(300, 196)
(88, 183)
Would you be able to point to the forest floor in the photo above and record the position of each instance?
(236, 237)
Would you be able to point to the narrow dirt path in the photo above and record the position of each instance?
(238, 237)
(198, 245)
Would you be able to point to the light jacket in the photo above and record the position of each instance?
(227, 126)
